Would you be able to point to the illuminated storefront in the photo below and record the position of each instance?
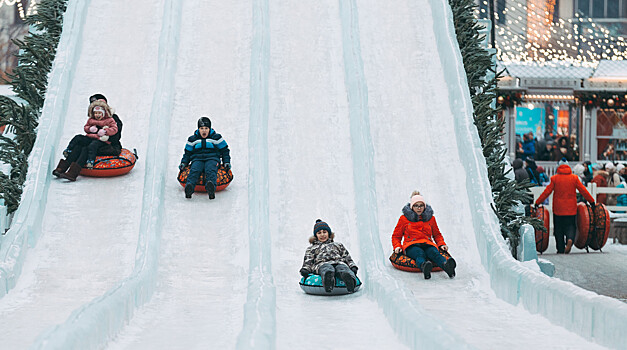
(573, 112)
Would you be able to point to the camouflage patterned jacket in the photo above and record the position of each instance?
(329, 252)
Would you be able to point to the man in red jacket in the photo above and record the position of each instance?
(564, 184)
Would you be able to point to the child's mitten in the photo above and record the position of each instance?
(93, 129)
(104, 138)
(102, 132)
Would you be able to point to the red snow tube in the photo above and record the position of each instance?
(405, 263)
(542, 238)
(593, 228)
(224, 179)
(601, 227)
(585, 225)
(106, 166)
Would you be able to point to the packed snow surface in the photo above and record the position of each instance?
(332, 109)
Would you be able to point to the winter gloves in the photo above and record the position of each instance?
(354, 269)
(102, 133)
(227, 166)
(304, 272)
(182, 166)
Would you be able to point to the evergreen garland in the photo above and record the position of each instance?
(29, 81)
(507, 194)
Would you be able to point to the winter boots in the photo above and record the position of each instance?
(189, 189)
(328, 281)
(72, 172)
(569, 246)
(426, 269)
(61, 168)
(449, 267)
(211, 189)
(349, 281)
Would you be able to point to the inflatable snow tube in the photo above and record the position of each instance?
(224, 179)
(601, 227)
(542, 238)
(405, 263)
(313, 285)
(585, 225)
(106, 166)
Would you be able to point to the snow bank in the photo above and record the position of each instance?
(26, 227)
(595, 317)
(401, 309)
(259, 329)
(94, 323)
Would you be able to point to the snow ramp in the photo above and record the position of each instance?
(334, 110)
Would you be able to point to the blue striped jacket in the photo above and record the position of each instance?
(212, 148)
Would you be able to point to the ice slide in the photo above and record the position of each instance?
(332, 109)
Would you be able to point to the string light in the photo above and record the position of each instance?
(577, 41)
(32, 9)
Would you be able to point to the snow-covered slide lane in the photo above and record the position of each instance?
(88, 236)
(311, 176)
(416, 147)
(201, 281)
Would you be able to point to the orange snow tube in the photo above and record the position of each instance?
(585, 225)
(105, 166)
(601, 227)
(405, 263)
(224, 179)
(542, 238)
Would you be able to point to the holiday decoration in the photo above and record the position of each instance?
(601, 99)
(29, 81)
(509, 99)
(507, 193)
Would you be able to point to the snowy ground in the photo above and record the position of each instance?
(597, 271)
(91, 226)
(5, 90)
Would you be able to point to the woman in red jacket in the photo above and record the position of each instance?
(417, 233)
(564, 184)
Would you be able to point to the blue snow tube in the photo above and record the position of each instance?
(313, 285)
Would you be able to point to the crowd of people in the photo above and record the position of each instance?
(551, 147)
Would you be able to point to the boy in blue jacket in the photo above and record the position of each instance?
(204, 150)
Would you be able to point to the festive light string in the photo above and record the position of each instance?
(517, 42)
(32, 9)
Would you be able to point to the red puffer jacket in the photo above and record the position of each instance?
(564, 185)
(423, 229)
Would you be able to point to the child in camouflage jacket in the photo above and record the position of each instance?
(329, 259)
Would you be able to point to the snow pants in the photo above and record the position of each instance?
(420, 252)
(339, 270)
(83, 147)
(564, 228)
(210, 167)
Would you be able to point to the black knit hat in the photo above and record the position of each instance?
(321, 225)
(204, 121)
(96, 97)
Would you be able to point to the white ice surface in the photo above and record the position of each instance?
(89, 234)
(202, 278)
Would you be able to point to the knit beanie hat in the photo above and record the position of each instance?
(562, 161)
(321, 225)
(97, 97)
(620, 167)
(99, 109)
(204, 121)
(415, 199)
